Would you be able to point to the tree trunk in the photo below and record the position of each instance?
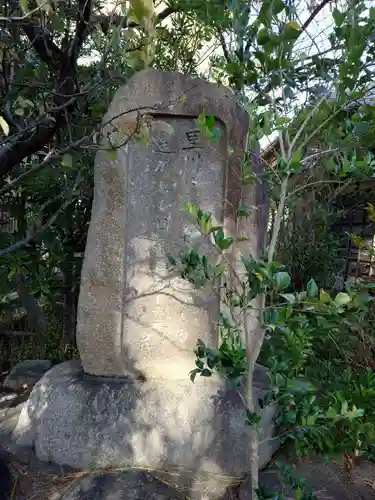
(35, 316)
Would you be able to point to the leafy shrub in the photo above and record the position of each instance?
(326, 396)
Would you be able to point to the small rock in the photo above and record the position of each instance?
(7, 398)
(118, 486)
(26, 373)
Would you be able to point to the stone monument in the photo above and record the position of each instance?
(130, 402)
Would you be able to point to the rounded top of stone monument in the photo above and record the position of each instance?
(173, 93)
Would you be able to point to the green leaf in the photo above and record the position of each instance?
(277, 7)
(283, 280)
(205, 223)
(222, 242)
(295, 161)
(4, 125)
(193, 374)
(331, 413)
(338, 17)
(67, 161)
(263, 36)
(24, 103)
(226, 243)
(311, 419)
(252, 418)
(142, 9)
(213, 229)
(282, 120)
(24, 6)
(344, 408)
(289, 297)
(112, 154)
(342, 299)
(293, 25)
(215, 134)
(312, 289)
(361, 128)
(299, 493)
(291, 31)
(244, 210)
(210, 122)
(324, 297)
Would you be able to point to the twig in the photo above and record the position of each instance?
(313, 14)
(224, 46)
(278, 218)
(47, 161)
(302, 127)
(306, 186)
(41, 229)
(26, 16)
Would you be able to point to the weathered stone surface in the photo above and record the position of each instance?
(88, 422)
(26, 373)
(120, 486)
(133, 318)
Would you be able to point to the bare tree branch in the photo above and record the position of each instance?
(46, 49)
(106, 21)
(313, 14)
(82, 24)
(224, 46)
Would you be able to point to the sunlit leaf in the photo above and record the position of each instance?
(289, 297)
(294, 25)
(342, 299)
(24, 4)
(67, 161)
(4, 125)
(331, 413)
(142, 9)
(324, 297)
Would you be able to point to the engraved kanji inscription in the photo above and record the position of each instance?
(192, 140)
(162, 223)
(162, 145)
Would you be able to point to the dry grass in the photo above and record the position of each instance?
(40, 486)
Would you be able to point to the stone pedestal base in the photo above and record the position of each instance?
(93, 423)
